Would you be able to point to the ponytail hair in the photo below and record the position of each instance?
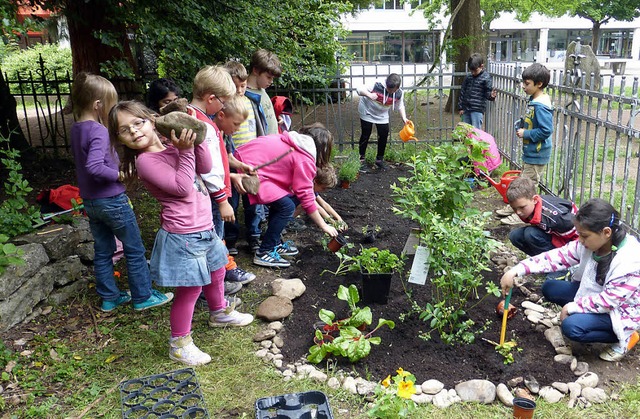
(595, 215)
(323, 140)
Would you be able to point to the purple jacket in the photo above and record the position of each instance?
(97, 164)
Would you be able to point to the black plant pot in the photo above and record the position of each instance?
(369, 237)
(375, 287)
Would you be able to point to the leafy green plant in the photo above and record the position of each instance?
(350, 168)
(393, 396)
(351, 343)
(506, 349)
(438, 199)
(16, 215)
(9, 254)
(369, 260)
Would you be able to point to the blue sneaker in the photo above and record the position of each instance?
(108, 306)
(270, 260)
(287, 249)
(157, 299)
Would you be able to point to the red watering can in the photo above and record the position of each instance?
(407, 133)
(505, 181)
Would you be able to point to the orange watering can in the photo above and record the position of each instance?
(505, 181)
(407, 133)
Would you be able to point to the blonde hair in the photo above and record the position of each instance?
(326, 176)
(88, 88)
(213, 80)
(235, 106)
(237, 70)
(263, 60)
(139, 110)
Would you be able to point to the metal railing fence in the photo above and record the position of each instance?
(595, 140)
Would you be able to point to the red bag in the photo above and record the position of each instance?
(59, 199)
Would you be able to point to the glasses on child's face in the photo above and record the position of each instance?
(221, 101)
(137, 125)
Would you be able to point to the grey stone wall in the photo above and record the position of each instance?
(55, 269)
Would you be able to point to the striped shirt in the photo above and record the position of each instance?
(247, 130)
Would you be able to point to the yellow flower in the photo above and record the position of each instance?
(402, 373)
(387, 381)
(406, 389)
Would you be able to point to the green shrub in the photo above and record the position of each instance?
(17, 216)
(25, 63)
(438, 199)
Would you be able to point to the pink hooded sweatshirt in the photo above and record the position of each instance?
(492, 154)
(291, 175)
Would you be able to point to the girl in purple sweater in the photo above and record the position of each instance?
(601, 303)
(103, 194)
(187, 253)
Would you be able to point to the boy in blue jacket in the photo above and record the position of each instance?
(535, 131)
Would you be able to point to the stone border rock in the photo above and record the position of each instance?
(583, 392)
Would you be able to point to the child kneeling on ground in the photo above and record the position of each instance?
(601, 303)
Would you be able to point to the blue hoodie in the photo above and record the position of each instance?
(538, 127)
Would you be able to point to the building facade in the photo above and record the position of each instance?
(394, 31)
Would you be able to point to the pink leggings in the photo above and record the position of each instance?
(185, 299)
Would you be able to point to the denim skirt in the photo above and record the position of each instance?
(186, 260)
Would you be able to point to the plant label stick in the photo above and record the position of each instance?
(412, 241)
(420, 266)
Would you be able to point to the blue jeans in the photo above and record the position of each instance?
(280, 213)
(474, 118)
(579, 327)
(251, 218)
(218, 224)
(109, 217)
(531, 240)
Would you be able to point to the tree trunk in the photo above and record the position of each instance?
(467, 38)
(9, 124)
(86, 19)
(595, 38)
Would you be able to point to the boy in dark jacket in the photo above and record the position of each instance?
(550, 218)
(476, 89)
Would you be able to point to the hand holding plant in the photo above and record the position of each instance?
(393, 396)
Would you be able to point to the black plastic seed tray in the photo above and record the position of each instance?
(174, 394)
(307, 405)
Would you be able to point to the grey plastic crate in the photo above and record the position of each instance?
(174, 394)
(307, 405)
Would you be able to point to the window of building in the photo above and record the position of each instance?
(390, 46)
(514, 45)
(615, 43)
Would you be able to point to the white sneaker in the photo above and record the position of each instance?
(505, 211)
(512, 220)
(229, 317)
(182, 349)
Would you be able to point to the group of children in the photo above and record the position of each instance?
(193, 183)
(200, 186)
(592, 264)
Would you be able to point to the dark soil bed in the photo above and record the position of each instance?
(368, 203)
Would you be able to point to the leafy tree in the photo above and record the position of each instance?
(600, 12)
